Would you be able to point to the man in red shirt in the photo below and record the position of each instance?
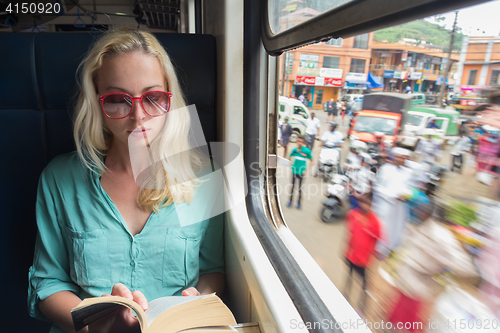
(364, 230)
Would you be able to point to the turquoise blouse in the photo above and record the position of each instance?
(84, 245)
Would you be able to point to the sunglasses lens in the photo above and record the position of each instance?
(117, 105)
(156, 103)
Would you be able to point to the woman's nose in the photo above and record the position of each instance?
(138, 112)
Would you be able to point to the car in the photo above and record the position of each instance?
(297, 115)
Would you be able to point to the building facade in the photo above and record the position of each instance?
(401, 66)
(323, 70)
(479, 65)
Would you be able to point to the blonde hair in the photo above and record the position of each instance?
(175, 180)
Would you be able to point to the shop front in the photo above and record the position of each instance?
(317, 89)
(396, 81)
(355, 83)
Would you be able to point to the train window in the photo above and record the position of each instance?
(287, 14)
(315, 187)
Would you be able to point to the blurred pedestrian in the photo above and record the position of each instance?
(364, 229)
(353, 159)
(429, 148)
(286, 132)
(464, 128)
(389, 201)
(462, 146)
(302, 98)
(343, 110)
(306, 101)
(299, 167)
(331, 108)
(362, 180)
(428, 250)
(487, 152)
(312, 126)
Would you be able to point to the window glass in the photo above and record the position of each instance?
(361, 41)
(284, 15)
(357, 65)
(472, 77)
(374, 124)
(335, 42)
(282, 108)
(319, 96)
(494, 78)
(414, 120)
(331, 62)
(300, 111)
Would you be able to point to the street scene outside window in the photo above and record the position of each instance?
(398, 199)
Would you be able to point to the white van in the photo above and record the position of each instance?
(297, 115)
(416, 125)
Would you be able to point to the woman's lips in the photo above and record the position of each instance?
(139, 132)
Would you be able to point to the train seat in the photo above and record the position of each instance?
(37, 90)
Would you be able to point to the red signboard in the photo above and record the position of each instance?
(307, 80)
(333, 82)
(311, 81)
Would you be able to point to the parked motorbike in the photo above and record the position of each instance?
(337, 194)
(328, 161)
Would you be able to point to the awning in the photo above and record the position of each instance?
(373, 83)
(350, 85)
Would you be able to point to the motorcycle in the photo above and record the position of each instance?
(328, 161)
(377, 159)
(337, 194)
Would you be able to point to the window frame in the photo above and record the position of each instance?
(361, 41)
(496, 82)
(357, 59)
(338, 62)
(370, 15)
(470, 76)
(337, 39)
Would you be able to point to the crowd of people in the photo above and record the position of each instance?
(392, 214)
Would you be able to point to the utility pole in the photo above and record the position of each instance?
(448, 63)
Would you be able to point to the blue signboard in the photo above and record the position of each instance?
(389, 74)
(350, 85)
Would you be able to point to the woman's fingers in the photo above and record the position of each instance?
(191, 291)
(119, 289)
(140, 299)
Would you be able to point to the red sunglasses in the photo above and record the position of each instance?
(120, 105)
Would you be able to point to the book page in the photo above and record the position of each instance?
(162, 304)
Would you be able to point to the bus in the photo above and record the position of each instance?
(227, 57)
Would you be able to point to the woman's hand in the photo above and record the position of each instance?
(122, 319)
(191, 291)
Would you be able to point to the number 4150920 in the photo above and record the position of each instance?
(476, 324)
(34, 8)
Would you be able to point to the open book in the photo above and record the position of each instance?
(172, 314)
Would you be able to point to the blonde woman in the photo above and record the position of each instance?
(99, 232)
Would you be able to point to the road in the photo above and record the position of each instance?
(326, 242)
(323, 241)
